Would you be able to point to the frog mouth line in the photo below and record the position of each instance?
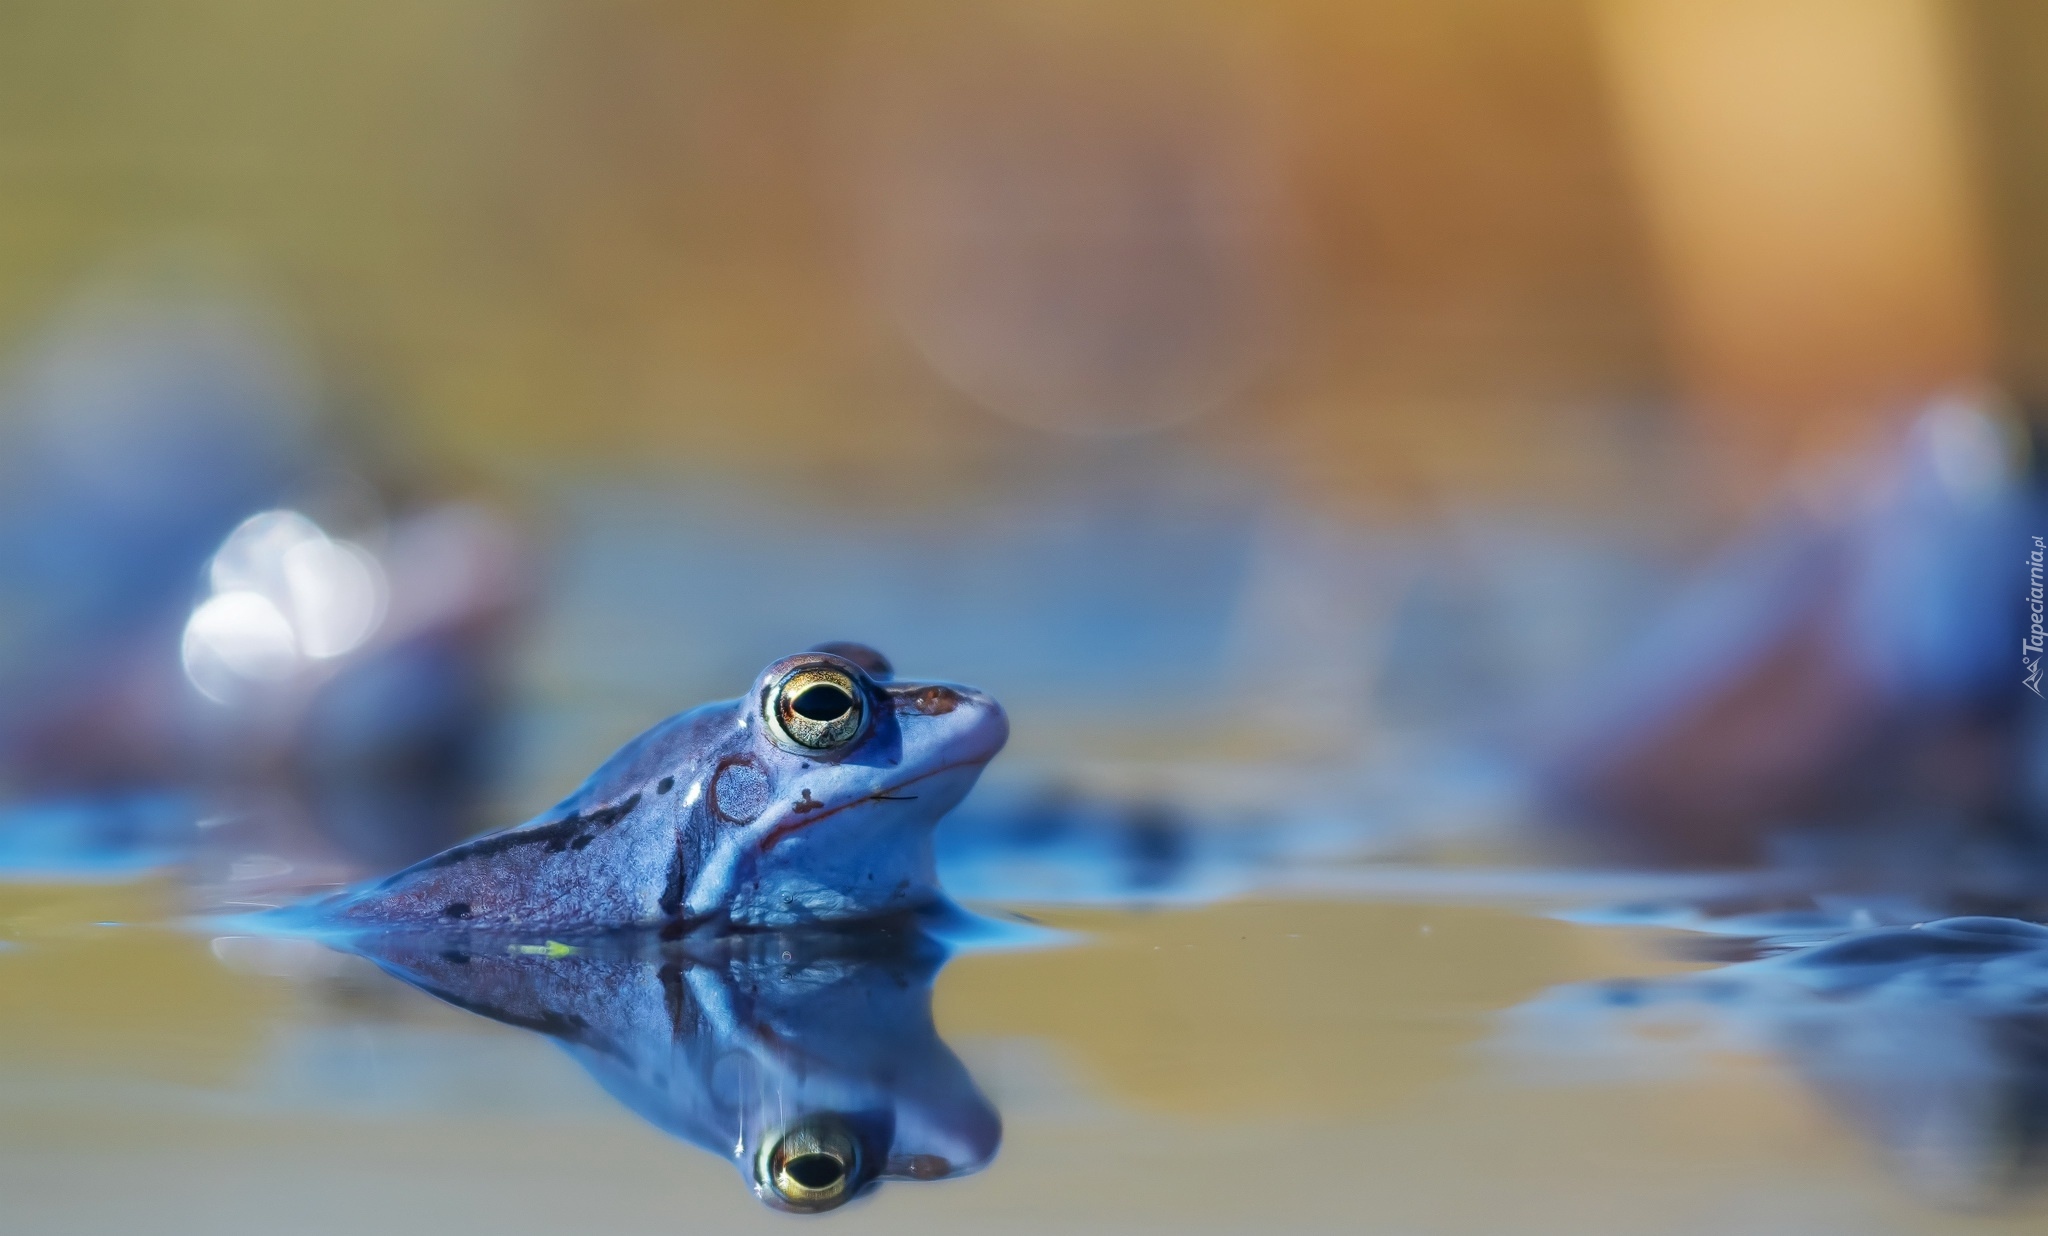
(887, 795)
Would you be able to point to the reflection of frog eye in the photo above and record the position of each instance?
(818, 706)
(811, 1167)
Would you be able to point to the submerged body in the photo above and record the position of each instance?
(809, 799)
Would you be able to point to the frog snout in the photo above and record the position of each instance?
(975, 722)
(991, 725)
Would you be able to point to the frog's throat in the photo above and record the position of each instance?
(797, 824)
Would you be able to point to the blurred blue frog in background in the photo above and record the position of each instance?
(1846, 671)
(193, 670)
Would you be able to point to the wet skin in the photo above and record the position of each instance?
(810, 799)
(808, 1058)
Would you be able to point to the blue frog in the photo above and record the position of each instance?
(809, 799)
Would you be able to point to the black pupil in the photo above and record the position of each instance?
(814, 1171)
(822, 702)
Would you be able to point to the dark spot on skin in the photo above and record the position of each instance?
(557, 844)
(555, 836)
(608, 816)
(455, 957)
(580, 842)
(927, 701)
(674, 888)
(455, 909)
(667, 784)
(806, 803)
(497, 843)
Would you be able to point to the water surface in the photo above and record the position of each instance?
(1322, 1065)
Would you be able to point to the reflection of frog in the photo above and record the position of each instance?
(808, 1057)
(811, 798)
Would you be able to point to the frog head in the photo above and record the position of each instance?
(820, 804)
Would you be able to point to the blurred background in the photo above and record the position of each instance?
(1596, 409)
(1424, 452)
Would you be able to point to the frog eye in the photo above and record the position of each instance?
(818, 706)
(812, 1166)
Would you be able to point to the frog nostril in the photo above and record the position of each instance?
(823, 702)
(933, 701)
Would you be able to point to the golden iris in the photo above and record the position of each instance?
(811, 1167)
(818, 706)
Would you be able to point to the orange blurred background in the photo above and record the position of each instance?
(1389, 254)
